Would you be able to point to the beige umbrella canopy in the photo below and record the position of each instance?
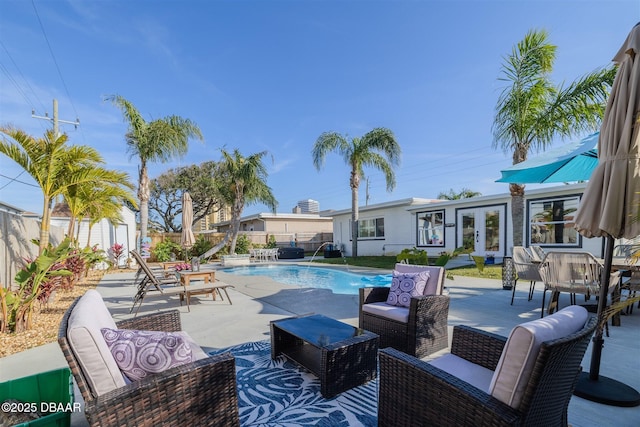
(187, 239)
(611, 203)
(611, 200)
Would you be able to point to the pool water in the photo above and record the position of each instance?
(340, 282)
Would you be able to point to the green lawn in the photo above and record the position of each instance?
(388, 262)
(489, 271)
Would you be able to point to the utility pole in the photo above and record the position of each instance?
(55, 120)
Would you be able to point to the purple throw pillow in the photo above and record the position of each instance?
(406, 285)
(140, 353)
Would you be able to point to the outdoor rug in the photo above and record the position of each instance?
(280, 393)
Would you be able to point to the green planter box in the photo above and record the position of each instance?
(52, 390)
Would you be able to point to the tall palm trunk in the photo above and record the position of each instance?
(238, 206)
(89, 234)
(517, 212)
(144, 194)
(355, 214)
(72, 226)
(46, 224)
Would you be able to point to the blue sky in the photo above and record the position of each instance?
(274, 75)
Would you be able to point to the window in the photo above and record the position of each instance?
(370, 228)
(431, 228)
(551, 222)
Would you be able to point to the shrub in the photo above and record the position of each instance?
(164, 249)
(272, 242)
(243, 244)
(201, 246)
(413, 256)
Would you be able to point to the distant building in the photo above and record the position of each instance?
(307, 206)
(207, 223)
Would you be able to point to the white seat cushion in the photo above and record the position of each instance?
(394, 312)
(86, 341)
(476, 375)
(521, 351)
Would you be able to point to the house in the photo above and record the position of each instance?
(482, 224)
(304, 230)
(103, 233)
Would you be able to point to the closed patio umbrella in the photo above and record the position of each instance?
(611, 202)
(570, 162)
(187, 239)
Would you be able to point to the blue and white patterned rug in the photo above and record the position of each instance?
(280, 393)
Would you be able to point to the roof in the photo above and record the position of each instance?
(486, 200)
(283, 216)
(391, 204)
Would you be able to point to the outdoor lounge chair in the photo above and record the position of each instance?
(419, 329)
(169, 286)
(526, 269)
(202, 392)
(487, 379)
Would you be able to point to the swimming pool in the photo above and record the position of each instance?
(340, 282)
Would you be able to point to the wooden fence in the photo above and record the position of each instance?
(308, 241)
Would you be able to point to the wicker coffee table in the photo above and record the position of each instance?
(340, 355)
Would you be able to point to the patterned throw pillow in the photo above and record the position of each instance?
(140, 353)
(406, 285)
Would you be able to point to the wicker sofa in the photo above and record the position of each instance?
(202, 392)
(418, 330)
(487, 379)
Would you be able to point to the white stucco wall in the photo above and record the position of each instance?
(104, 234)
(401, 224)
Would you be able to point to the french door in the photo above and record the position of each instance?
(482, 230)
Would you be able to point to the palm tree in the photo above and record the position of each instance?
(377, 148)
(241, 181)
(465, 193)
(157, 141)
(104, 206)
(531, 111)
(53, 165)
(82, 199)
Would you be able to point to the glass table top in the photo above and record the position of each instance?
(318, 329)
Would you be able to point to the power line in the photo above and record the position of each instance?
(64, 84)
(15, 83)
(16, 180)
(23, 78)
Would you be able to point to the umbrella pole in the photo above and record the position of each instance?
(591, 385)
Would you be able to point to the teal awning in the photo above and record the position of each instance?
(571, 162)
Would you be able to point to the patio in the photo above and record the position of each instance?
(475, 302)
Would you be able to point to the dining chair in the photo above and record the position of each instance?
(537, 253)
(526, 269)
(573, 273)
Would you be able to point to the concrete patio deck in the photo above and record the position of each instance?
(475, 302)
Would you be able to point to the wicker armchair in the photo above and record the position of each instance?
(526, 269)
(424, 332)
(199, 393)
(414, 392)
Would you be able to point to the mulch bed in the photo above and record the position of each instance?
(46, 319)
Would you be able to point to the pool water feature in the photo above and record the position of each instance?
(340, 282)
